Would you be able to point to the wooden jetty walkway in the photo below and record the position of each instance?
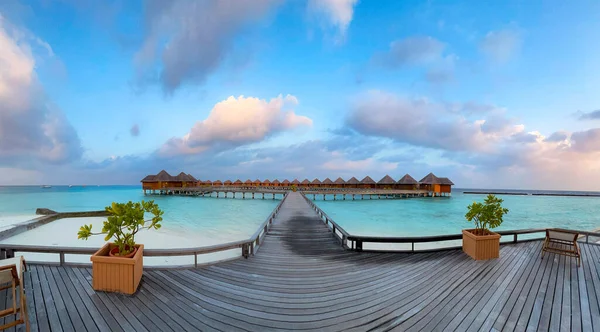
(302, 279)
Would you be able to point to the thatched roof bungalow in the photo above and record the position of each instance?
(438, 185)
(285, 183)
(367, 182)
(296, 182)
(248, 183)
(238, 183)
(276, 183)
(305, 183)
(386, 182)
(339, 183)
(208, 183)
(227, 183)
(217, 183)
(315, 183)
(166, 180)
(407, 182)
(266, 183)
(256, 183)
(352, 183)
(327, 183)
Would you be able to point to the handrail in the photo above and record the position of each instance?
(359, 240)
(249, 246)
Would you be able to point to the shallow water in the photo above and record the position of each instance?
(441, 215)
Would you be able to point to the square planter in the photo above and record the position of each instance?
(481, 247)
(117, 274)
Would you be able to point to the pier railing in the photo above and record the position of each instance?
(356, 242)
(249, 246)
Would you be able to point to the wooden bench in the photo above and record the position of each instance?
(562, 242)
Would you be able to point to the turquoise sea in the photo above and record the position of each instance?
(442, 215)
(398, 217)
(226, 219)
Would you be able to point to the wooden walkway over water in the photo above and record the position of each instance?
(301, 279)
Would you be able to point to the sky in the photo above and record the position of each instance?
(490, 94)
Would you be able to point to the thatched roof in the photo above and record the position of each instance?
(276, 181)
(208, 182)
(191, 178)
(387, 180)
(367, 180)
(238, 181)
(149, 178)
(340, 181)
(430, 179)
(316, 181)
(227, 182)
(305, 181)
(353, 180)
(295, 181)
(257, 181)
(286, 181)
(163, 176)
(327, 181)
(248, 181)
(181, 177)
(218, 182)
(446, 181)
(407, 179)
(266, 181)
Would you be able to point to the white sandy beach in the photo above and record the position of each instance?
(7, 222)
(63, 233)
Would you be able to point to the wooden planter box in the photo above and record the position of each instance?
(481, 247)
(117, 274)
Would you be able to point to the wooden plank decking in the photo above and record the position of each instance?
(301, 279)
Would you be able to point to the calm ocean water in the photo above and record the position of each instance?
(436, 216)
(404, 217)
(207, 216)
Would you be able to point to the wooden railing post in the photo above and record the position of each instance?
(195, 259)
(359, 245)
(587, 236)
(515, 238)
(62, 258)
(245, 250)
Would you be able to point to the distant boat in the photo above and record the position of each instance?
(45, 187)
(70, 186)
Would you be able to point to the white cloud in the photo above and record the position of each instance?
(337, 13)
(185, 40)
(501, 45)
(239, 121)
(31, 127)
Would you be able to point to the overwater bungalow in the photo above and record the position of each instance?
(327, 183)
(339, 183)
(436, 185)
(296, 182)
(367, 182)
(386, 183)
(238, 183)
(352, 183)
(208, 183)
(163, 180)
(256, 183)
(315, 183)
(276, 183)
(266, 183)
(407, 182)
(285, 183)
(217, 183)
(305, 183)
(228, 183)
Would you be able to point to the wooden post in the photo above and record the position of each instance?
(515, 238)
(195, 259)
(62, 258)
(359, 246)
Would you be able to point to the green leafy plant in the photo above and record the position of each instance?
(486, 215)
(123, 222)
(294, 188)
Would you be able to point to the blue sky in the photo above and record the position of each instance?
(498, 94)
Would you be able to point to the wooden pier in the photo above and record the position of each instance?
(314, 193)
(302, 279)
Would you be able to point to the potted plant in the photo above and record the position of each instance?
(118, 265)
(481, 243)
